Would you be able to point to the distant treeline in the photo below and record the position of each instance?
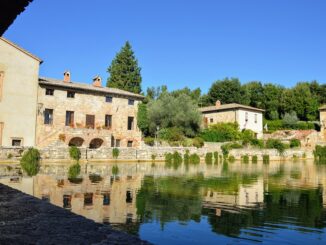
(304, 98)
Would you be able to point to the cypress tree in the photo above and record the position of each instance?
(124, 71)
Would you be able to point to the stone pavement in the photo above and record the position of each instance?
(27, 220)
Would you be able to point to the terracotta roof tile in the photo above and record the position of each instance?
(231, 106)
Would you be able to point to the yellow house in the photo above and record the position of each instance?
(18, 95)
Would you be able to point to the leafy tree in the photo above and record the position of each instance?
(124, 71)
(290, 119)
(142, 118)
(256, 94)
(227, 91)
(272, 97)
(169, 111)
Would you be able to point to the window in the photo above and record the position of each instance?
(70, 94)
(131, 102)
(112, 141)
(48, 116)
(106, 199)
(69, 118)
(108, 121)
(108, 99)
(67, 201)
(211, 120)
(129, 143)
(49, 91)
(128, 197)
(246, 116)
(117, 143)
(255, 118)
(88, 199)
(2, 74)
(16, 142)
(90, 121)
(130, 123)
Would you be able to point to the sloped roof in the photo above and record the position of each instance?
(86, 87)
(21, 49)
(9, 9)
(231, 106)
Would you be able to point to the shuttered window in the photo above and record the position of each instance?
(90, 121)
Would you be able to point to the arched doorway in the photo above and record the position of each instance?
(96, 143)
(76, 141)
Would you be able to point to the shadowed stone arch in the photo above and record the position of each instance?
(96, 143)
(76, 141)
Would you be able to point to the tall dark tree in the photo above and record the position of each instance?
(124, 71)
(227, 91)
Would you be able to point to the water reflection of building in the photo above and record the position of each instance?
(246, 196)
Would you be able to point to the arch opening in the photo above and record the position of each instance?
(76, 141)
(96, 143)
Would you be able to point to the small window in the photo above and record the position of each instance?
(108, 121)
(69, 118)
(88, 199)
(255, 118)
(108, 99)
(129, 143)
(67, 201)
(246, 116)
(117, 143)
(131, 102)
(128, 197)
(16, 142)
(49, 91)
(90, 121)
(211, 120)
(48, 116)
(70, 94)
(106, 199)
(130, 123)
(112, 141)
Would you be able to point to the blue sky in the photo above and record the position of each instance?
(179, 42)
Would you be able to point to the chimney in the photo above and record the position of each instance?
(218, 104)
(66, 76)
(97, 81)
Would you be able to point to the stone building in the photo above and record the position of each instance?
(246, 116)
(45, 112)
(18, 95)
(322, 111)
(86, 115)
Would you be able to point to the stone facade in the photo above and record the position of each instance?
(322, 111)
(18, 95)
(246, 116)
(99, 104)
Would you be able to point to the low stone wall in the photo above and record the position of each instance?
(10, 153)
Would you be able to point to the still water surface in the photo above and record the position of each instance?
(229, 203)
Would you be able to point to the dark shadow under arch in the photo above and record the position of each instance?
(76, 141)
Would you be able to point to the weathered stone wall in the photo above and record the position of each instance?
(83, 104)
(323, 123)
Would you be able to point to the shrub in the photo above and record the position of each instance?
(153, 157)
(168, 158)
(74, 153)
(171, 134)
(257, 143)
(295, 157)
(247, 136)
(177, 158)
(194, 159)
(245, 159)
(276, 144)
(229, 146)
(198, 142)
(115, 153)
(30, 161)
(10, 155)
(115, 170)
(295, 143)
(209, 158)
(74, 171)
(149, 141)
(221, 132)
(231, 158)
(254, 159)
(266, 159)
(320, 154)
(186, 142)
(290, 119)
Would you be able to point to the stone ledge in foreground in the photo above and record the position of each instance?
(28, 220)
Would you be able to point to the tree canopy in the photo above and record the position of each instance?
(124, 71)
